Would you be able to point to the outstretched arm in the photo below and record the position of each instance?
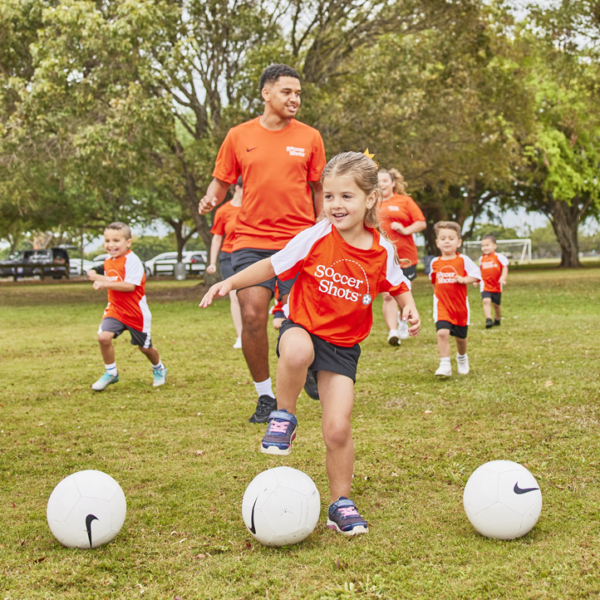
(407, 305)
(466, 280)
(257, 273)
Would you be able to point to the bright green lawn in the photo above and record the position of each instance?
(185, 453)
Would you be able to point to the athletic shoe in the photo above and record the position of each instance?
(280, 433)
(489, 323)
(160, 376)
(105, 381)
(344, 518)
(394, 338)
(265, 406)
(238, 343)
(310, 386)
(444, 370)
(463, 365)
(497, 322)
(402, 329)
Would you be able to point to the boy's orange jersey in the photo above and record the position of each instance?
(276, 167)
(337, 283)
(225, 224)
(491, 266)
(450, 301)
(130, 308)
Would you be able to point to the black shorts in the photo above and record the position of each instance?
(458, 331)
(138, 338)
(225, 264)
(246, 257)
(328, 357)
(496, 297)
(410, 272)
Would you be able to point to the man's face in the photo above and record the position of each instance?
(115, 242)
(448, 241)
(488, 247)
(283, 96)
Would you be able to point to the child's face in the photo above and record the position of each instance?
(344, 203)
(448, 241)
(386, 185)
(488, 247)
(115, 242)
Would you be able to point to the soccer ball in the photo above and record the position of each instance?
(502, 500)
(86, 509)
(281, 506)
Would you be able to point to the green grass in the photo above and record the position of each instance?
(185, 453)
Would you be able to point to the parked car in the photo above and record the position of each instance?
(75, 266)
(164, 264)
(98, 263)
(31, 263)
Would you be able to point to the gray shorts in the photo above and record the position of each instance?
(138, 338)
(225, 264)
(246, 257)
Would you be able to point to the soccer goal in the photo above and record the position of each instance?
(518, 252)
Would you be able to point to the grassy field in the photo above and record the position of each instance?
(185, 453)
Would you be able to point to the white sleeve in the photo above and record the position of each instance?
(393, 271)
(471, 268)
(134, 270)
(503, 260)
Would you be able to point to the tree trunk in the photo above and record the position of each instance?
(565, 221)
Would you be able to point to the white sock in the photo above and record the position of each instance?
(111, 369)
(158, 366)
(461, 356)
(264, 388)
(445, 360)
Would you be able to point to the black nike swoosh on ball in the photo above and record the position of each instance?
(250, 149)
(88, 526)
(518, 490)
(252, 528)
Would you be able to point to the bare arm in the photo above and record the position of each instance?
(215, 246)
(215, 194)
(466, 280)
(407, 305)
(317, 187)
(416, 227)
(504, 275)
(117, 286)
(258, 272)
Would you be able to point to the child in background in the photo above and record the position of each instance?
(494, 272)
(342, 264)
(450, 274)
(125, 279)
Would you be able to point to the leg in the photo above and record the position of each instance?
(461, 346)
(337, 393)
(105, 339)
(235, 313)
(487, 308)
(390, 311)
(443, 340)
(151, 354)
(497, 311)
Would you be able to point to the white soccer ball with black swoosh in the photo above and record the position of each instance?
(502, 500)
(281, 506)
(86, 509)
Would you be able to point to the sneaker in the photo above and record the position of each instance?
(402, 329)
(280, 433)
(265, 406)
(238, 343)
(160, 376)
(310, 386)
(463, 365)
(105, 381)
(497, 322)
(344, 518)
(394, 338)
(489, 323)
(444, 370)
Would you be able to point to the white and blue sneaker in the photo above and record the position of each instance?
(160, 376)
(402, 329)
(280, 433)
(105, 381)
(343, 517)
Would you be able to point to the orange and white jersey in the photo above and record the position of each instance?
(491, 266)
(130, 308)
(450, 300)
(337, 283)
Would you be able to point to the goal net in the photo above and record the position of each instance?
(518, 252)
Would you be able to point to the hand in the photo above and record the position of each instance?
(212, 268)
(502, 281)
(92, 275)
(98, 285)
(397, 227)
(476, 284)
(411, 315)
(219, 289)
(461, 280)
(207, 204)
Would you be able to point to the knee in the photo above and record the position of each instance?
(105, 338)
(388, 299)
(254, 317)
(443, 334)
(298, 357)
(487, 301)
(337, 435)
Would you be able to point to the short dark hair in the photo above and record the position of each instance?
(273, 72)
(452, 225)
(489, 236)
(118, 226)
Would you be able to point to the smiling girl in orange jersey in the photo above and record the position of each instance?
(342, 264)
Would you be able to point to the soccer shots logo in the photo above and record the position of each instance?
(343, 285)
(446, 275)
(293, 151)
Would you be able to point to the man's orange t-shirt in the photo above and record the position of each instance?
(403, 210)
(337, 283)
(276, 167)
(130, 308)
(225, 224)
(450, 300)
(491, 266)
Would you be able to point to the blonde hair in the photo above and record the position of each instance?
(397, 180)
(452, 225)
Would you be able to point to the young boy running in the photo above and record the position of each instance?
(450, 274)
(494, 272)
(127, 308)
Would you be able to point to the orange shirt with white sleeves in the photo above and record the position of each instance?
(337, 283)
(450, 300)
(491, 266)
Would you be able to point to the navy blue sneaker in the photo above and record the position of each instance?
(280, 433)
(344, 518)
(310, 386)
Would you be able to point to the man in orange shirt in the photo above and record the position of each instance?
(279, 160)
